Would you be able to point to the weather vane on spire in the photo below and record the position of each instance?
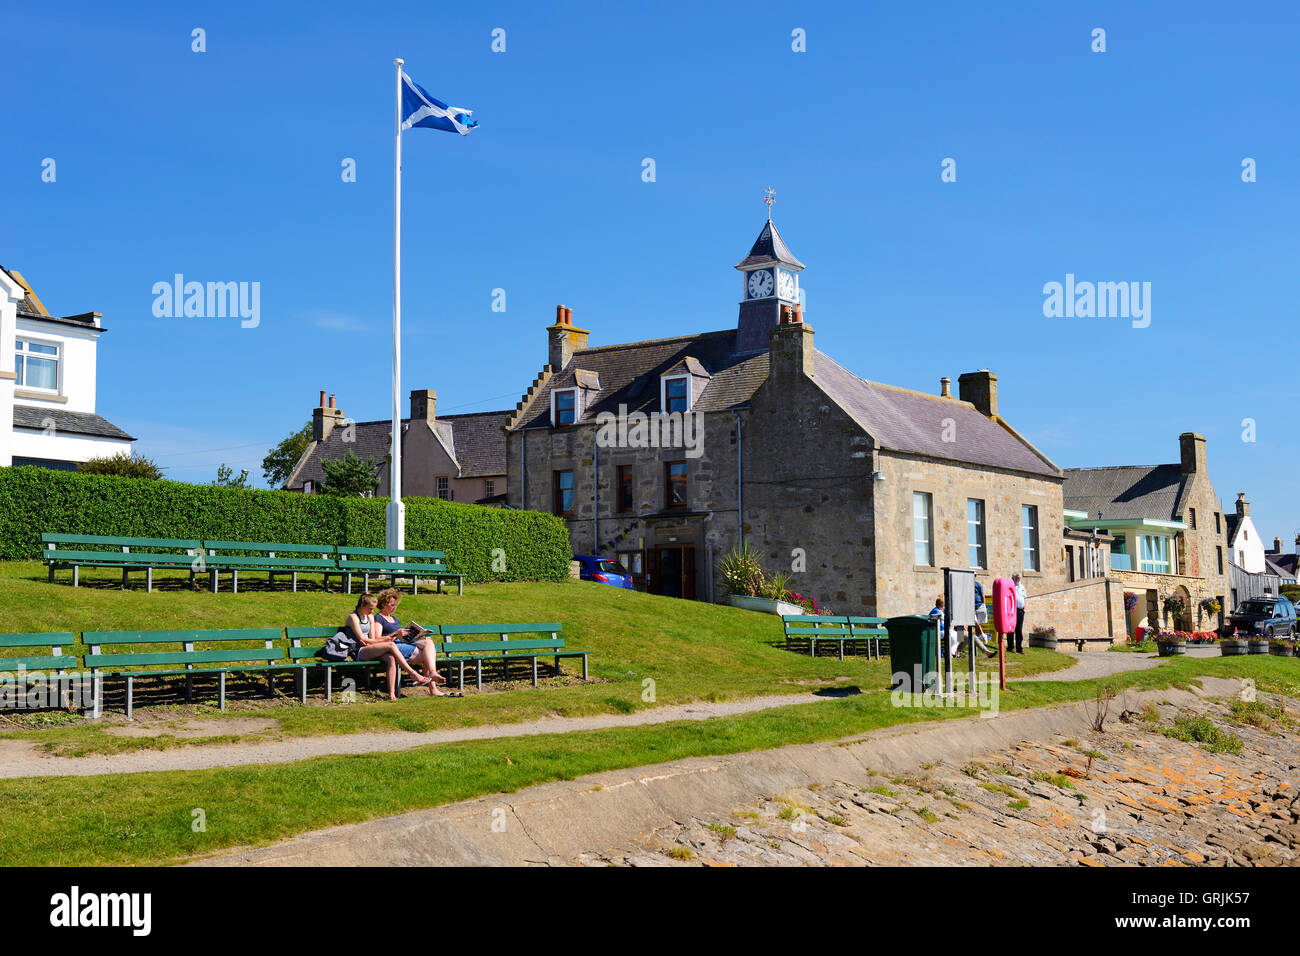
(769, 197)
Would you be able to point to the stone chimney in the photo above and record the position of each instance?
(1243, 506)
(1191, 447)
(981, 390)
(1277, 545)
(790, 348)
(564, 338)
(424, 405)
(324, 417)
(945, 387)
(1297, 550)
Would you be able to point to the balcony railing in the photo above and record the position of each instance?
(1121, 562)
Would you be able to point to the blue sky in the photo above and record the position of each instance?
(1115, 166)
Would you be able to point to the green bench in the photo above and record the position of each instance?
(76, 551)
(383, 562)
(456, 650)
(808, 629)
(269, 557)
(17, 667)
(305, 659)
(185, 662)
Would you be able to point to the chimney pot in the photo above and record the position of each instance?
(568, 315)
(1277, 545)
(331, 401)
(559, 315)
(798, 314)
(945, 387)
(322, 398)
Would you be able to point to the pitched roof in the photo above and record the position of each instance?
(31, 307)
(1125, 491)
(475, 439)
(629, 375)
(74, 423)
(900, 419)
(1283, 565)
(1232, 520)
(768, 248)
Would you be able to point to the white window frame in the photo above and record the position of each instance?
(1033, 551)
(928, 540)
(577, 405)
(489, 487)
(663, 390)
(1149, 566)
(21, 354)
(980, 558)
(308, 487)
(442, 487)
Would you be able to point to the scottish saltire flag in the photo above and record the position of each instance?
(421, 109)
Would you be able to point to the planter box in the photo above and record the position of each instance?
(1281, 650)
(764, 605)
(1171, 648)
(1229, 647)
(1038, 640)
(1259, 647)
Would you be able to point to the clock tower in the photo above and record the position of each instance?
(769, 279)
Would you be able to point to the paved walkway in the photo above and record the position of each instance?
(20, 758)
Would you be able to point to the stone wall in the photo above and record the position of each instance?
(1080, 609)
(908, 588)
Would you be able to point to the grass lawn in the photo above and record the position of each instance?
(147, 818)
(690, 650)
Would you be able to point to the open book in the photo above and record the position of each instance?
(418, 632)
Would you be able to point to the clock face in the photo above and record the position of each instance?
(785, 285)
(760, 284)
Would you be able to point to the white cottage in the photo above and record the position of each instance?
(47, 384)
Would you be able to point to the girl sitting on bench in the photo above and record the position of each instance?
(372, 646)
(420, 651)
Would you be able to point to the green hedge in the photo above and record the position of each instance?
(533, 546)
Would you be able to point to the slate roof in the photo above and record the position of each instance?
(899, 419)
(1283, 565)
(74, 423)
(769, 247)
(31, 307)
(1232, 520)
(1125, 491)
(475, 438)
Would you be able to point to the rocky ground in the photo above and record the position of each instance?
(1221, 791)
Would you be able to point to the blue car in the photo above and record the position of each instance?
(604, 570)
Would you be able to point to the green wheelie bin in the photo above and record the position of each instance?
(913, 652)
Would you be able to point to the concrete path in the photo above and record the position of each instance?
(19, 758)
(557, 822)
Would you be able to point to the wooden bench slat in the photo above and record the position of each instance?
(49, 639)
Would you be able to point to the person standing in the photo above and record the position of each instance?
(1019, 637)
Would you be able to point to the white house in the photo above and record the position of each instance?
(47, 384)
(1245, 547)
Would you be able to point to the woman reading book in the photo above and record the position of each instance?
(409, 640)
(371, 645)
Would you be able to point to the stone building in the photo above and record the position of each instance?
(862, 491)
(1170, 537)
(454, 457)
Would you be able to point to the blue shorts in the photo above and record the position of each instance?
(407, 649)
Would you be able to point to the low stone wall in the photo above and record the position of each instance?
(1081, 609)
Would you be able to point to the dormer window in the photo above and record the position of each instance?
(564, 406)
(676, 394)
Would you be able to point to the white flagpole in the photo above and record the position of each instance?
(395, 533)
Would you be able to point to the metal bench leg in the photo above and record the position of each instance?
(51, 573)
(461, 688)
(302, 686)
(295, 582)
(841, 650)
(212, 580)
(349, 577)
(812, 644)
(460, 587)
(329, 683)
(534, 670)
(270, 682)
(97, 692)
(557, 665)
(76, 575)
(221, 681)
(234, 577)
(130, 698)
(365, 582)
(148, 580)
(478, 672)
(124, 579)
(584, 666)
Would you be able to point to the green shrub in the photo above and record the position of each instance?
(532, 545)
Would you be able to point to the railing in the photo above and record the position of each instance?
(1120, 562)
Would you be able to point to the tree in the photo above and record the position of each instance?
(279, 461)
(123, 464)
(226, 477)
(349, 476)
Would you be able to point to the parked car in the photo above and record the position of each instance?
(1267, 617)
(605, 570)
